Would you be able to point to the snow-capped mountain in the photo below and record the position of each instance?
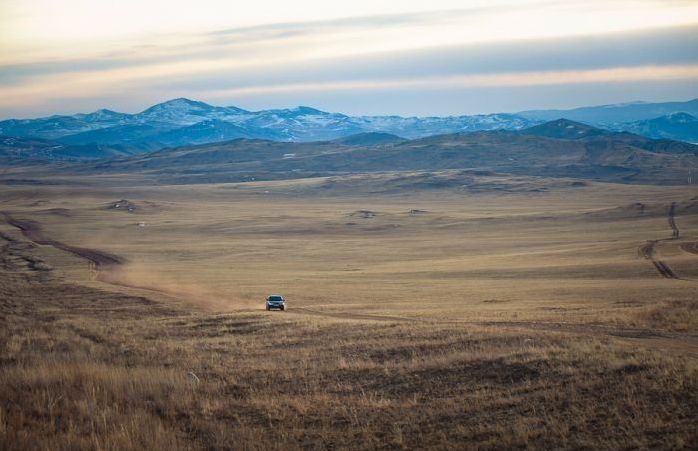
(182, 121)
(418, 127)
(188, 112)
(103, 116)
(677, 126)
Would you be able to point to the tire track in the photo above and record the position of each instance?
(97, 260)
(647, 251)
(102, 264)
(672, 222)
(690, 247)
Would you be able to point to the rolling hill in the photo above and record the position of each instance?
(370, 139)
(558, 148)
(18, 151)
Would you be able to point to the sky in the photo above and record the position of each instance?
(406, 57)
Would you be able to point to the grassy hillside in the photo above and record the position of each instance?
(557, 149)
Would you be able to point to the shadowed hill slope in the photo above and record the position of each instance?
(564, 129)
(370, 139)
(558, 148)
(15, 150)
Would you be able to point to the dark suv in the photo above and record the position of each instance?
(276, 302)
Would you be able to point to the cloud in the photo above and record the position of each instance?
(509, 44)
(511, 79)
(662, 46)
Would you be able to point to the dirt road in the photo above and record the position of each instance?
(32, 231)
(647, 251)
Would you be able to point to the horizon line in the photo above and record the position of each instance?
(632, 102)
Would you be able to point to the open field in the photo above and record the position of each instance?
(440, 310)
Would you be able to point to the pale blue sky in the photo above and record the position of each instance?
(404, 57)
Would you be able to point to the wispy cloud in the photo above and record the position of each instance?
(513, 43)
(514, 79)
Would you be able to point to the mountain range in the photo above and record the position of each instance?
(183, 122)
(609, 115)
(560, 148)
(677, 126)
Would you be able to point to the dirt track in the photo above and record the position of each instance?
(646, 250)
(32, 231)
(672, 221)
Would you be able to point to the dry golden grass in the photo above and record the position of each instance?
(490, 320)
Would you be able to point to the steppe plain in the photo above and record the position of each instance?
(444, 309)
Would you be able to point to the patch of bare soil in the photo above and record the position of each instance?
(363, 214)
(122, 205)
(128, 206)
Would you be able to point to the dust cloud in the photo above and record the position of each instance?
(144, 277)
